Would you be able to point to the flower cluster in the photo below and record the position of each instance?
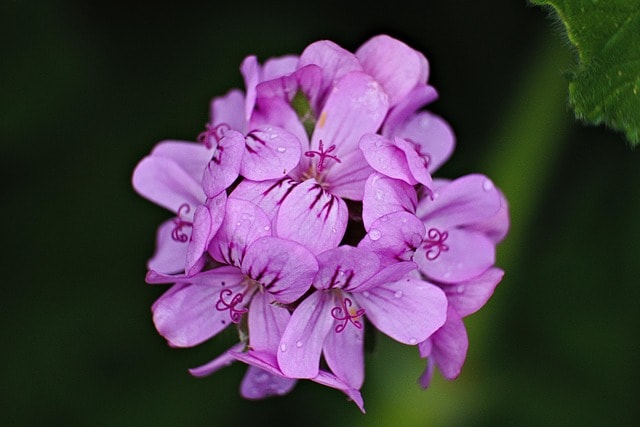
(306, 213)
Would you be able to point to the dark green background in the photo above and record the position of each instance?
(87, 89)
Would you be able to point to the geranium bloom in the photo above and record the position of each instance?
(306, 212)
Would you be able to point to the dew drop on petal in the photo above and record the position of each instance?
(299, 344)
(365, 294)
(460, 289)
(267, 228)
(375, 234)
(398, 294)
(378, 143)
(281, 149)
(384, 218)
(334, 230)
(413, 341)
(261, 377)
(283, 347)
(487, 185)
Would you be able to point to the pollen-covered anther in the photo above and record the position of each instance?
(347, 313)
(323, 155)
(179, 222)
(234, 313)
(435, 243)
(216, 133)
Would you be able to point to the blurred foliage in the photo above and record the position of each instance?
(605, 85)
(89, 87)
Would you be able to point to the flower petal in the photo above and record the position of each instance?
(165, 183)
(463, 202)
(301, 344)
(244, 222)
(224, 167)
(267, 323)
(344, 353)
(269, 195)
(461, 256)
(449, 346)
(345, 267)
(224, 360)
(347, 179)
(270, 153)
(170, 253)
(229, 110)
(186, 314)
(383, 196)
(259, 384)
(311, 211)
(394, 237)
(206, 222)
(395, 65)
(191, 157)
(408, 310)
(284, 268)
(468, 297)
(355, 106)
(419, 96)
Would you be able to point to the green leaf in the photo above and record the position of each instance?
(604, 87)
(303, 109)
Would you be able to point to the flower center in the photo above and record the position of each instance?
(434, 244)
(178, 233)
(323, 155)
(234, 313)
(346, 313)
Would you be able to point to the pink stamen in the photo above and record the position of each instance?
(178, 233)
(234, 313)
(216, 132)
(345, 315)
(435, 243)
(323, 155)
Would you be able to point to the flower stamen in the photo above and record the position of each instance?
(234, 313)
(323, 155)
(435, 243)
(346, 314)
(179, 222)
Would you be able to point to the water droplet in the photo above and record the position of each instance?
(334, 230)
(378, 143)
(398, 294)
(281, 149)
(261, 377)
(283, 347)
(267, 228)
(384, 218)
(365, 294)
(375, 234)
(487, 185)
(413, 341)
(447, 275)
(299, 344)
(460, 289)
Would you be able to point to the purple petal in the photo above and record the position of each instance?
(307, 79)
(390, 273)
(267, 323)
(408, 310)
(462, 202)
(186, 315)
(244, 222)
(328, 379)
(394, 237)
(395, 65)
(222, 361)
(355, 106)
(269, 195)
(165, 183)
(229, 110)
(347, 178)
(396, 159)
(224, 167)
(310, 211)
(344, 353)
(278, 112)
(450, 344)
(206, 222)
(301, 344)
(497, 226)
(259, 384)
(284, 268)
(432, 134)
(170, 253)
(250, 70)
(468, 297)
(383, 196)
(345, 267)
(192, 158)
(427, 375)
(459, 256)
(419, 96)
(276, 67)
(270, 153)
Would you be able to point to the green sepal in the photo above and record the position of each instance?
(303, 109)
